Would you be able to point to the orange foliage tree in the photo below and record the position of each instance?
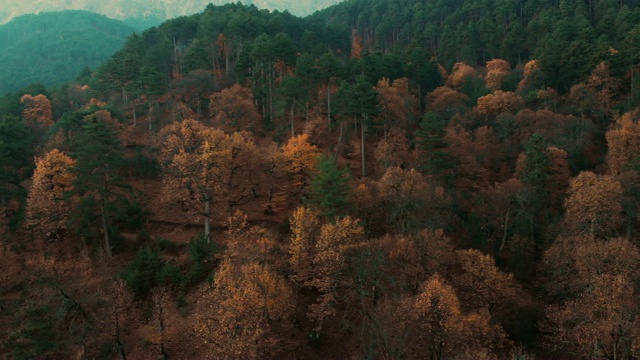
(497, 71)
(47, 212)
(233, 109)
(593, 205)
(498, 102)
(459, 74)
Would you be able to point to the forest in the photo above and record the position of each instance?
(53, 48)
(379, 180)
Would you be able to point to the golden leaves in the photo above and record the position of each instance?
(52, 179)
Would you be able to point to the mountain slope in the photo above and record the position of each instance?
(149, 11)
(54, 47)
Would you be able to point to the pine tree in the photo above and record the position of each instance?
(329, 188)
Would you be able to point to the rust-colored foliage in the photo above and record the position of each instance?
(498, 102)
(445, 331)
(529, 69)
(47, 211)
(623, 140)
(594, 311)
(478, 157)
(603, 85)
(248, 312)
(412, 200)
(205, 167)
(393, 150)
(233, 109)
(317, 257)
(459, 74)
(37, 112)
(356, 44)
(398, 107)
(497, 71)
(482, 284)
(446, 99)
(593, 205)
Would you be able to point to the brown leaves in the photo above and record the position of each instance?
(598, 314)
(37, 112)
(233, 109)
(623, 140)
(593, 205)
(497, 71)
(498, 102)
(318, 256)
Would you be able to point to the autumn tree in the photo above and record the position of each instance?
(37, 111)
(47, 210)
(393, 150)
(593, 205)
(497, 71)
(498, 102)
(590, 287)
(233, 109)
(397, 106)
(318, 257)
(301, 157)
(332, 247)
(459, 75)
(446, 101)
(247, 313)
(412, 201)
(37, 115)
(208, 167)
(623, 140)
(446, 331)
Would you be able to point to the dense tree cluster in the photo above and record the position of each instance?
(329, 193)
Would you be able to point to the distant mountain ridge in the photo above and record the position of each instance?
(52, 48)
(154, 11)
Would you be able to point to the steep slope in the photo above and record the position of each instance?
(149, 12)
(52, 48)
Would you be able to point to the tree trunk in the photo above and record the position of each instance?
(105, 228)
(293, 132)
(134, 112)
(207, 220)
(364, 173)
(329, 102)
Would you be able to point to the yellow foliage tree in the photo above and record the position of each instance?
(47, 212)
(248, 313)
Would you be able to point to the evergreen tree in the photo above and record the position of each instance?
(329, 188)
(99, 185)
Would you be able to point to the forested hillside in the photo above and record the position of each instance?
(53, 48)
(381, 180)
